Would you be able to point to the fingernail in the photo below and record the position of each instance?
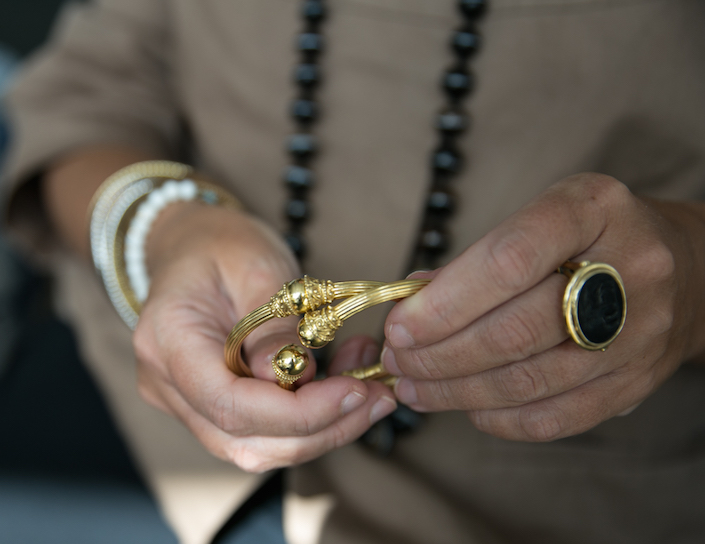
(383, 407)
(422, 271)
(399, 337)
(389, 361)
(351, 402)
(405, 390)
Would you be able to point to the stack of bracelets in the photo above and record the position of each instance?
(121, 214)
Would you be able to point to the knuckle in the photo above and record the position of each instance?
(541, 425)
(444, 397)
(660, 321)
(515, 335)
(303, 427)
(644, 385)
(603, 188)
(222, 413)
(339, 437)
(522, 382)
(419, 363)
(512, 262)
(658, 263)
(443, 308)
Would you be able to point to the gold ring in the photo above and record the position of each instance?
(312, 299)
(594, 304)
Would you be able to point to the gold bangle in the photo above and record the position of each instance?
(110, 211)
(311, 298)
(294, 298)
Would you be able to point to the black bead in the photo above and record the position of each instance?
(307, 74)
(296, 242)
(457, 83)
(313, 11)
(441, 202)
(434, 241)
(298, 177)
(405, 419)
(472, 9)
(304, 111)
(302, 145)
(466, 43)
(446, 161)
(310, 42)
(297, 210)
(380, 437)
(452, 122)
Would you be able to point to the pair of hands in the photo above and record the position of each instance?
(486, 336)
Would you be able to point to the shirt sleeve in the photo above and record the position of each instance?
(105, 77)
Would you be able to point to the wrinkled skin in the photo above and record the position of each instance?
(488, 337)
(210, 267)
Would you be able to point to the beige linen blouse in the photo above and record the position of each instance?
(616, 86)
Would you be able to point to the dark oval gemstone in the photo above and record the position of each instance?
(457, 84)
(472, 8)
(301, 144)
(296, 242)
(446, 161)
(466, 42)
(297, 209)
(600, 307)
(313, 11)
(310, 42)
(441, 202)
(434, 241)
(307, 74)
(304, 111)
(452, 122)
(298, 177)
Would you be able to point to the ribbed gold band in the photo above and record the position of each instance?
(312, 299)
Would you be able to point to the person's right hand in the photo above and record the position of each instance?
(209, 267)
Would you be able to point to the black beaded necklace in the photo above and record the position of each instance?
(446, 160)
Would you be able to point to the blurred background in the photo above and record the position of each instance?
(65, 475)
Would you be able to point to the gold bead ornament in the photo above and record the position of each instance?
(312, 299)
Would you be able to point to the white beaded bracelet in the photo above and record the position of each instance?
(136, 237)
(114, 209)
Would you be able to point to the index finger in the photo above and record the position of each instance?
(250, 406)
(561, 223)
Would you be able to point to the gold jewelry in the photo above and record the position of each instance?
(112, 209)
(594, 304)
(312, 298)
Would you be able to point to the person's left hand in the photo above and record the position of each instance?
(487, 335)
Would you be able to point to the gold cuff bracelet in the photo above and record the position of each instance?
(312, 298)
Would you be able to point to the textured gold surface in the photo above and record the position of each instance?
(289, 364)
(312, 299)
